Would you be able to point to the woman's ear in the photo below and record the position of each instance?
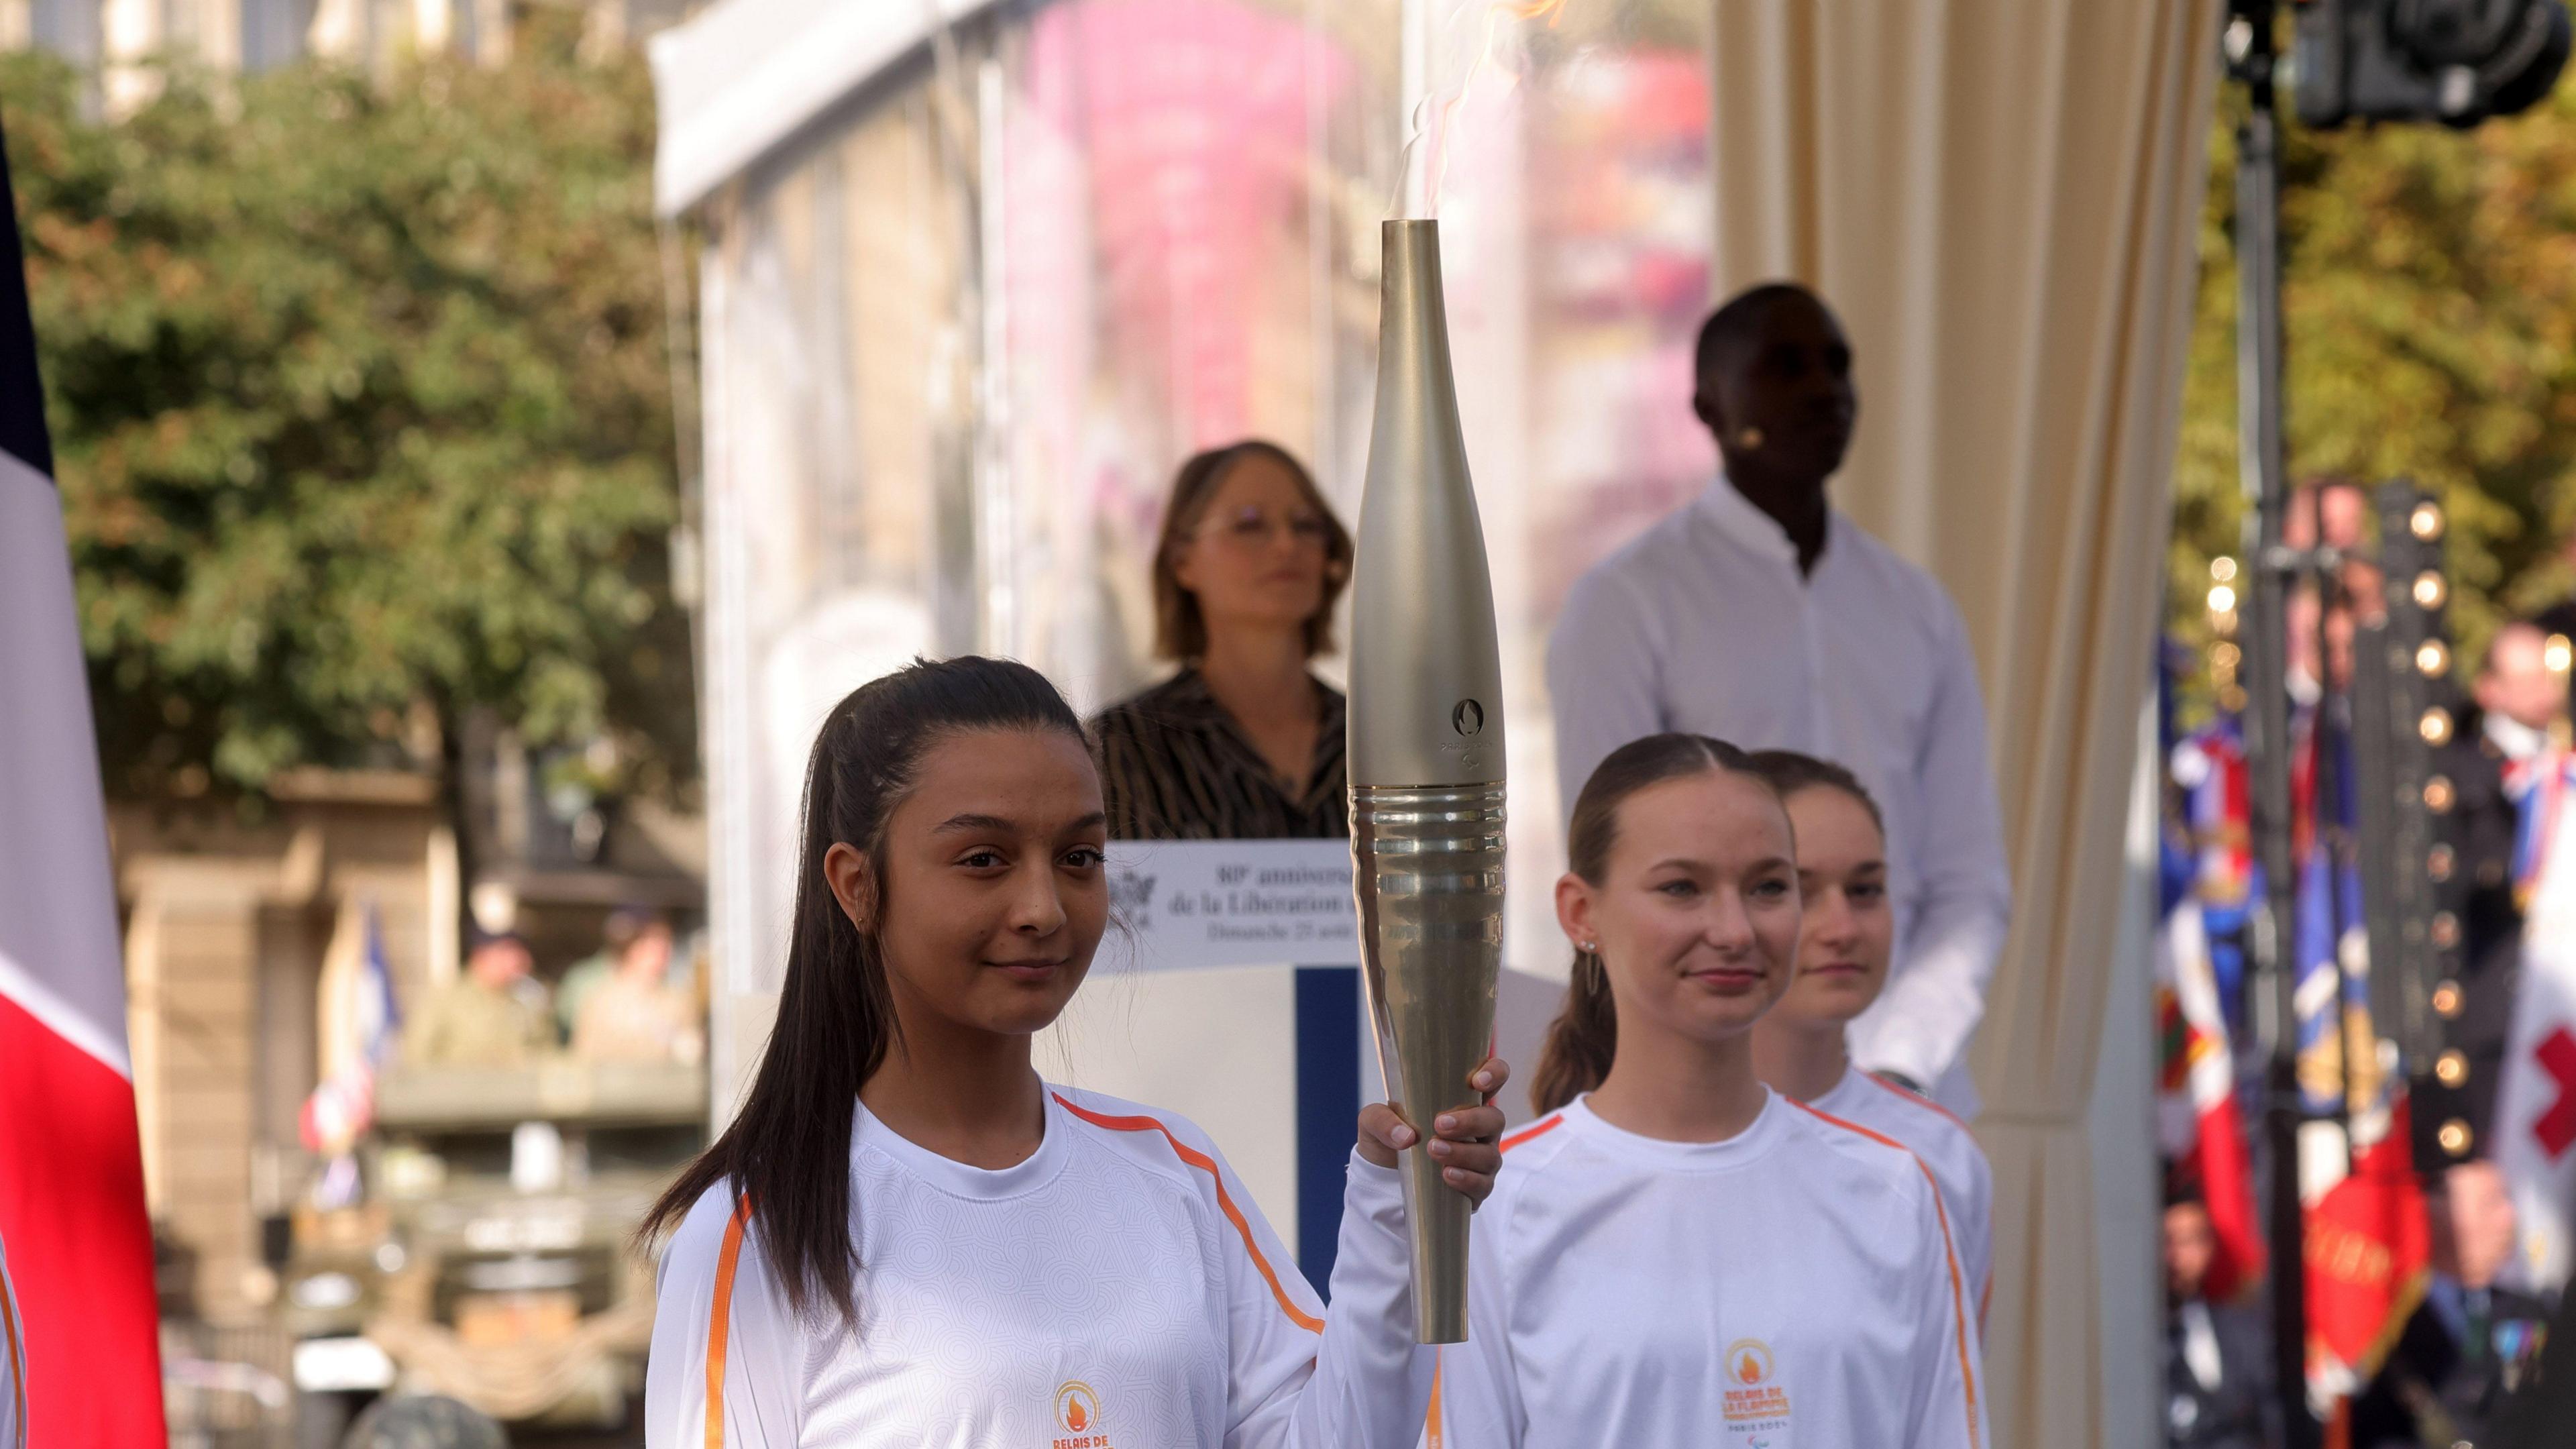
(1574, 911)
(853, 879)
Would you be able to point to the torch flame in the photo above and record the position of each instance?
(1446, 107)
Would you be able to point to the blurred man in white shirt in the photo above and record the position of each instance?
(1759, 614)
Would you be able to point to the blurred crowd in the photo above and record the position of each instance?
(621, 1003)
(2436, 1196)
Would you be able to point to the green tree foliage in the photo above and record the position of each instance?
(2429, 321)
(361, 409)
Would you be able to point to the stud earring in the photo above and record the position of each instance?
(1748, 438)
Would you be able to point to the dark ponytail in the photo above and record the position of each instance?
(1585, 1035)
(1580, 1042)
(788, 1150)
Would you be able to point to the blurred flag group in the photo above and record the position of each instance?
(71, 1171)
(2366, 1245)
(2199, 970)
(361, 1025)
(2535, 1115)
(2201, 1125)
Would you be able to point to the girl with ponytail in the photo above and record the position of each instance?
(907, 1238)
(1681, 1255)
(1847, 933)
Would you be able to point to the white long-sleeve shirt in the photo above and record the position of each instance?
(1948, 1150)
(1117, 1290)
(1704, 624)
(1789, 1288)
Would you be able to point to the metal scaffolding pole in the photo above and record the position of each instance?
(2252, 60)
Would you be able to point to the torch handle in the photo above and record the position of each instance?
(1428, 875)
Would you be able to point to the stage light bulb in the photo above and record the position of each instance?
(2557, 654)
(2426, 521)
(2451, 1069)
(2226, 655)
(2446, 930)
(2435, 727)
(2222, 599)
(2438, 794)
(2440, 862)
(2232, 699)
(2430, 591)
(2455, 1136)
(2432, 659)
(2446, 1000)
(2223, 570)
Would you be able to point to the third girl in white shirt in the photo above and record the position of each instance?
(1681, 1256)
(1846, 935)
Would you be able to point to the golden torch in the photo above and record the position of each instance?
(1426, 758)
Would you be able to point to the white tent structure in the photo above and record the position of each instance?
(978, 276)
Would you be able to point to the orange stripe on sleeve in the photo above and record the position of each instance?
(1916, 1098)
(1224, 1202)
(1958, 1293)
(1540, 1128)
(720, 1321)
(1985, 1294)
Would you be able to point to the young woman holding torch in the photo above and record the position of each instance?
(907, 1238)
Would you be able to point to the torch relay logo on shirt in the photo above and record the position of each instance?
(1077, 1413)
(1756, 1401)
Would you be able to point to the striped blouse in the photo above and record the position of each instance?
(1173, 766)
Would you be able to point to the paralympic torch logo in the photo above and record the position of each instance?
(1077, 1408)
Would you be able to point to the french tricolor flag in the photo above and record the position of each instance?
(79, 1249)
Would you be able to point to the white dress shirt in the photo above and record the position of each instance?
(1704, 624)
(2518, 741)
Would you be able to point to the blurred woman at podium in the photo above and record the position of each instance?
(1244, 743)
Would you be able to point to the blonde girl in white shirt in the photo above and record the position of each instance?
(1680, 1256)
(907, 1238)
(1847, 933)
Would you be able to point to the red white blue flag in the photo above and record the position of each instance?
(71, 1164)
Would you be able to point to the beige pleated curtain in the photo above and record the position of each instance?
(2001, 198)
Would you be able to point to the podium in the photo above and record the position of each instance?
(1228, 990)
(1233, 966)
